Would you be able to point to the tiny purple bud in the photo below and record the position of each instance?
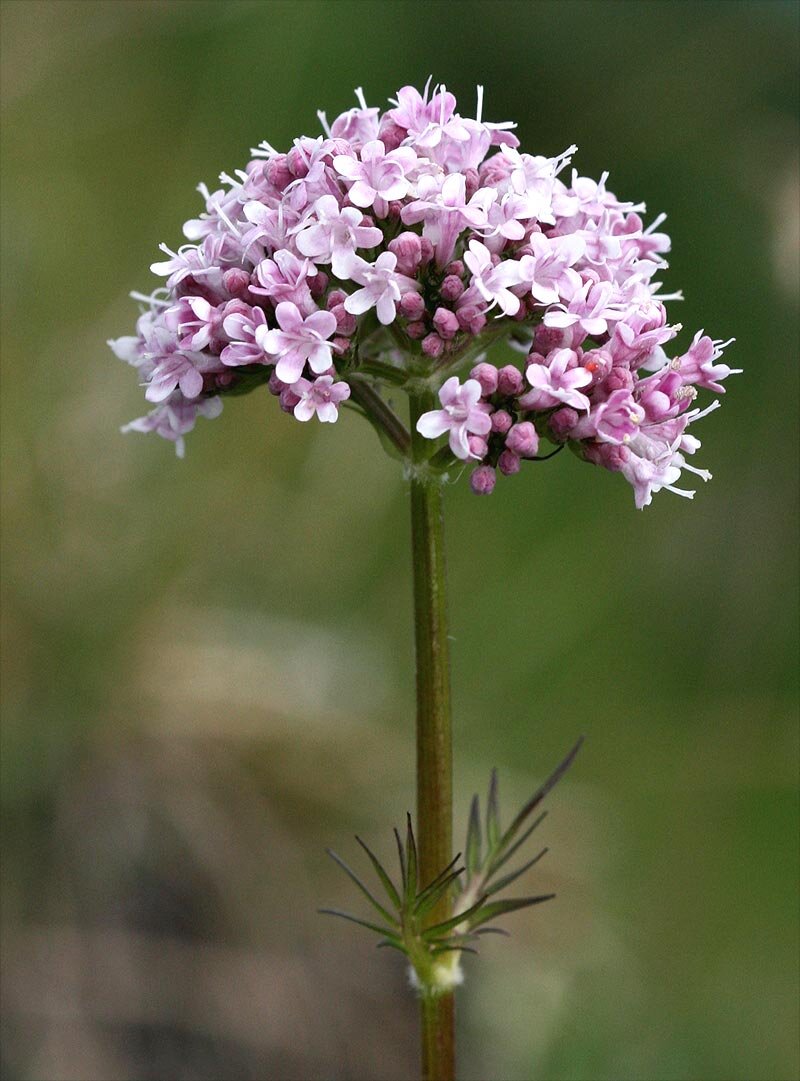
(486, 374)
(446, 323)
(393, 213)
(345, 322)
(432, 345)
(318, 284)
(598, 365)
(501, 421)
(334, 298)
(455, 268)
(411, 305)
(340, 346)
(391, 134)
(608, 455)
(224, 379)
(275, 385)
(427, 251)
(523, 439)
(297, 162)
(473, 182)
(483, 480)
(471, 319)
(509, 380)
(278, 173)
(478, 447)
(562, 422)
(509, 463)
(288, 399)
(452, 288)
(236, 281)
(408, 249)
(416, 330)
(619, 379)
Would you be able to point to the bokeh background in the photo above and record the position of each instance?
(208, 664)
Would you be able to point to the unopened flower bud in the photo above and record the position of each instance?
(456, 268)
(391, 134)
(562, 422)
(236, 281)
(509, 463)
(345, 322)
(334, 298)
(432, 345)
(426, 253)
(278, 173)
(478, 447)
(411, 305)
(451, 288)
(222, 380)
(297, 162)
(501, 421)
(509, 381)
(446, 323)
(473, 182)
(471, 319)
(523, 439)
(619, 378)
(288, 399)
(483, 480)
(408, 249)
(340, 346)
(275, 385)
(486, 374)
(416, 331)
(318, 284)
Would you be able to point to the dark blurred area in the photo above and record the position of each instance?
(207, 665)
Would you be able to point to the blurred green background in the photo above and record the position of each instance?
(208, 665)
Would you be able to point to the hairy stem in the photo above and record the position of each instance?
(434, 741)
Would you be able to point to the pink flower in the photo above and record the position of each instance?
(196, 322)
(242, 327)
(547, 271)
(462, 414)
(378, 175)
(697, 365)
(590, 308)
(555, 382)
(285, 277)
(322, 397)
(491, 281)
(299, 340)
(333, 233)
(382, 287)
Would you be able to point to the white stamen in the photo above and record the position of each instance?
(654, 224)
(323, 119)
(479, 110)
(698, 414)
(360, 97)
(680, 491)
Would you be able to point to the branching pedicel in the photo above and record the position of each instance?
(384, 258)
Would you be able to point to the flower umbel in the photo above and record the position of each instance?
(391, 250)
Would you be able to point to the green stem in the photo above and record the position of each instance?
(434, 740)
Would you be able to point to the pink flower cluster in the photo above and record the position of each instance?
(394, 248)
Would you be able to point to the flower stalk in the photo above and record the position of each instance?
(434, 729)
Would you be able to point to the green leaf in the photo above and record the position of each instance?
(496, 864)
(437, 929)
(411, 866)
(488, 912)
(354, 877)
(474, 839)
(448, 870)
(452, 949)
(430, 897)
(506, 880)
(492, 815)
(387, 932)
(539, 795)
(401, 857)
(388, 885)
(385, 942)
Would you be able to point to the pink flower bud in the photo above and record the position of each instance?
(486, 374)
(432, 345)
(562, 422)
(345, 322)
(288, 399)
(451, 288)
(455, 268)
(393, 213)
(509, 381)
(391, 134)
(318, 284)
(278, 173)
(445, 323)
(546, 339)
(523, 439)
(340, 346)
(411, 305)
(236, 281)
(334, 298)
(598, 365)
(416, 330)
(608, 455)
(501, 421)
(224, 379)
(509, 463)
(483, 480)
(408, 249)
(426, 253)
(297, 162)
(275, 385)
(473, 182)
(619, 379)
(471, 319)
(478, 447)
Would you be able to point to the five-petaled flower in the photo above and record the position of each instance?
(462, 415)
